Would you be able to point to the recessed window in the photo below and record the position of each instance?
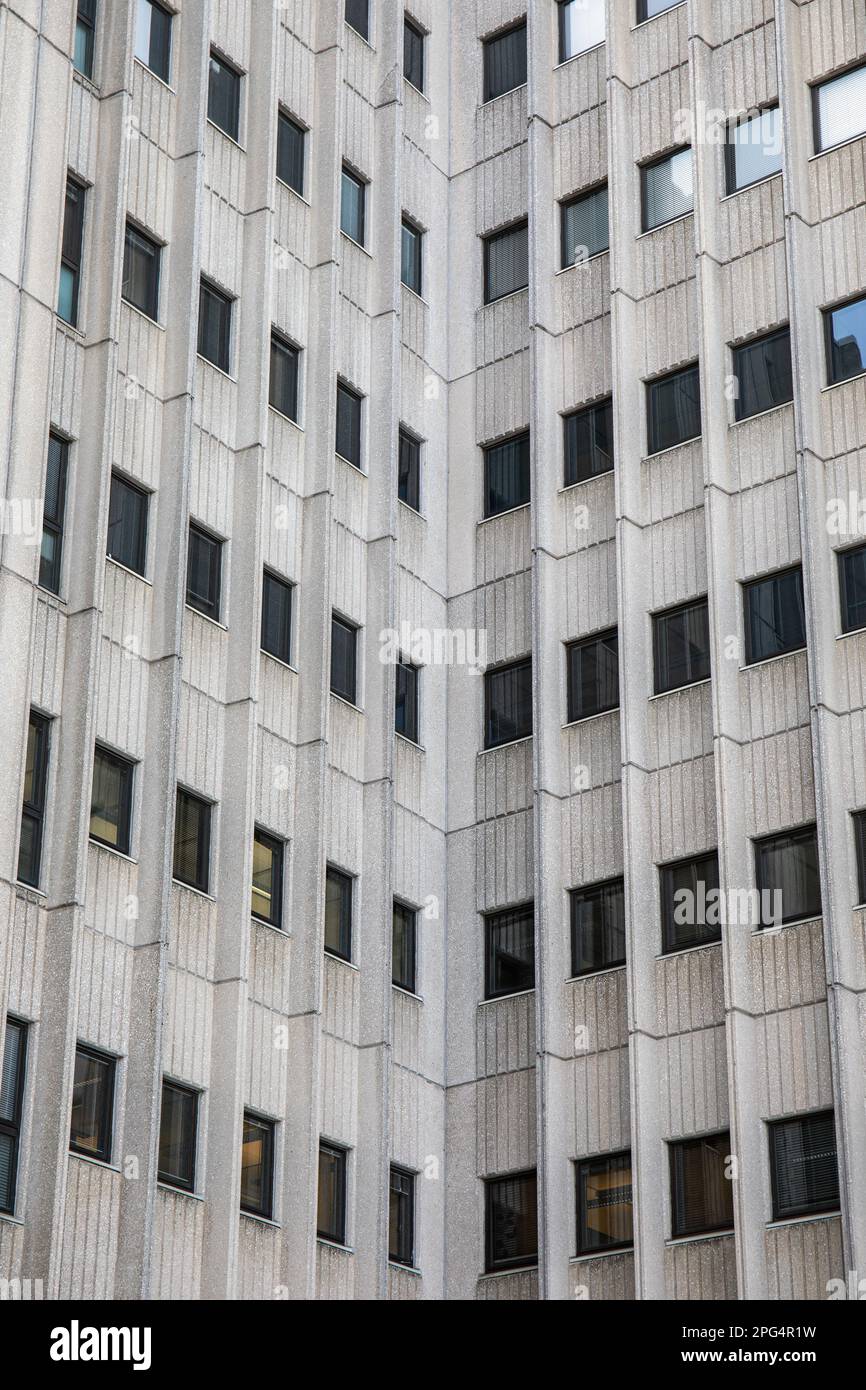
(509, 951)
(507, 703)
(71, 251)
(353, 206)
(593, 676)
(597, 927)
(92, 1104)
(839, 108)
(505, 62)
(127, 524)
(604, 1204)
(224, 96)
(681, 642)
(283, 386)
(846, 341)
(401, 1217)
(33, 809)
(413, 54)
(667, 189)
(852, 588)
(277, 617)
(506, 262)
(754, 149)
(215, 326)
(53, 513)
(257, 1166)
(588, 437)
(690, 902)
(331, 1216)
(404, 947)
(581, 27)
(348, 424)
(412, 239)
(763, 374)
(585, 231)
(153, 38)
(511, 1221)
(406, 711)
(647, 9)
(358, 16)
(787, 865)
(11, 1109)
(192, 820)
(775, 619)
(85, 33)
(267, 896)
(409, 470)
(291, 152)
(111, 800)
(859, 819)
(673, 409)
(506, 475)
(344, 661)
(204, 572)
(803, 1166)
(178, 1127)
(338, 913)
(702, 1196)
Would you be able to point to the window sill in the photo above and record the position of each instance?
(214, 622)
(356, 467)
(358, 35)
(269, 926)
(422, 95)
(582, 482)
(512, 743)
(779, 1223)
(834, 385)
(498, 999)
(408, 993)
(593, 974)
(671, 222)
(504, 1273)
(350, 704)
(96, 1162)
(673, 1241)
(261, 1220)
(645, 22)
(71, 328)
(191, 888)
(35, 893)
(215, 367)
(416, 294)
(759, 415)
(231, 139)
(118, 564)
(692, 685)
(774, 930)
(660, 453)
(414, 510)
(843, 144)
(142, 313)
(86, 82)
(283, 416)
(600, 1254)
(576, 265)
(676, 951)
(501, 299)
(855, 631)
(112, 849)
(155, 75)
(771, 660)
(509, 511)
(413, 1270)
(413, 743)
(59, 602)
(300, 196)
(747, 187)
(12, 1219)
(490, 100)
(278, 661)
(179, 1191)
(341, 960)
(352, 242)
(335, 1245)
(564, 62)
(585, 718)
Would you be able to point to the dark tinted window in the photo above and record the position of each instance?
(153, 38)
(358, 15)
(404, 947)
(348, 424)
(192, 840)
(70, 255)
(840, 108)
(764, 374)
(688, 919)
(338, 914)
(401, 1217)
(507, 704)
(53, 513)
(92, 1104)
(604, 1204)
(257, 1166)
(177, 1136)
(11, 1106)
(754, 149)
(111, 800)
(681, 641)
(647, 8)
(852, 588)
(344, 639)
(291, 147)
(283, 385)
(409, 470)
(204, 572)
(331, 1220)
(505, 62)
(846, 340)
(410, 257)
(33, 809)
(277, 617)
(224, 96)
(353, 207)
(413, 54)
(506, 475)
(701, 1194)
(581, 27)
(511, 1210)
(667, 189)
(588, 442)
(585, 229)
(85, 32)
(267, 895)
(803, 1166)
(859, 819)
(506, 262)
(141, 257)
(593, 676)
(509, 949)
(406, 712)
(788, 865)
(214, 326)
(127, 525)
(674, 409)
(775, 619)
(597, 927)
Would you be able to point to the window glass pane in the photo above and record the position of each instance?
(506, 475)
(512, 1222)
(754, 149)
(701, 1193)
(348, 425)
(588, 443)
(257, 1163)
(82, 56)
(401, 1223)
(192, 840)
(510, 951)
(674, 409)
(338, 914)
(53, 511)
(406, 714)
(682, 647)
(203, 577)
(775, 618)
(604, 1204)
(410, 263)
(35, 778)
(804, 1166)
(859, 819)
(852, 588)
(403, 947)
(127, 525)
(267, 895)
(593, 676)
(358, 15)
(277, 618)
(224, 96)
(585, 229)
(787, 865)
(291, 140)
(343, 665)
(331, 1224)
(70, 267)
(647, 8)
(840, 108)
(11, 1095)
(110, 800)
(846, 335)
(505, 62)
(413, 55)
(508, 701)
(177, 1136)
(409, 471)
(283, 389)
(214, 326)
(506, 263)
(667, 189)
(690, 905)
(597, 927)
(92, 1100)
(153, 38)
(581, 26)
(352, 207)
(764, 374)
(141, 273)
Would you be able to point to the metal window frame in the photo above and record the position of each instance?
(491, 919)
(489, 674)
(676, 1146)
(488, 241)
(844, 597)
(574, 896)
(53, 524)
(182, 1184)
(799, 835)
(270, 577)
(227, 302)
(664, 616)
(347, 912)
(859, 820)
(604, 403)
(407, 1261)
(653, 445)
(215, 55)
(34, 810)
(647, 167)
(347, 172)
(124, 482)
(340, 1154)
(203, 842)
(350, 692)
(581, 644)
(731, 185)
(213, 607)
(411, 918)
(108, 1087)
(126, 767)
(775, 1127)
(412, 702)
(486, 43)
(581, 1168)
(406, 436)
(816, 88)
(749, 587)
(419, 35)
(706, 936)
(351, 394)
(277, 848)
(488, 451)
(408, 224)
(491, 1264)
(151, 308)
(285, 118)
(565, 206)
(292, 352)
(66, 262)
(11, 1127)
(830, 341)
(87, 20)
(269, 1128)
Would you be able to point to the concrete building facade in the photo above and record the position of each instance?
(452, 1083)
